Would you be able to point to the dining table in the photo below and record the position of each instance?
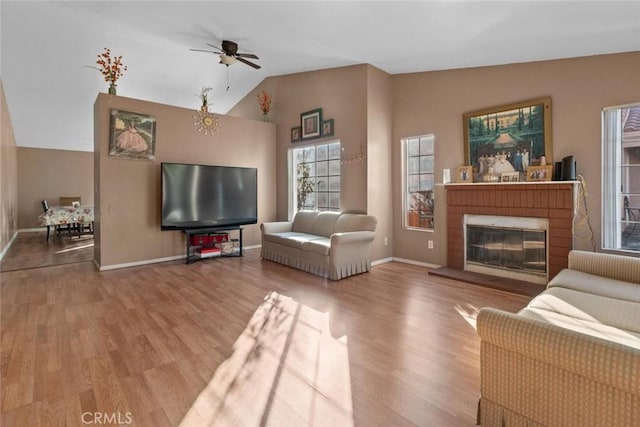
(77, 220)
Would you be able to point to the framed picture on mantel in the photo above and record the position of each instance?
(508, 138)
(465, 174)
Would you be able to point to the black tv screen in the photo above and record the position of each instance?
(198, 196)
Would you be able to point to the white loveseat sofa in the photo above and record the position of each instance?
(572, 356)
(330, 244)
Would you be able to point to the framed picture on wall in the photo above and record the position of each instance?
(310, 123)
(327, 128)
(295, 134)
(508, 138)
(132, 135)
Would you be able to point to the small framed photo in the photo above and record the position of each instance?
(465, 174)
(327, 128)
(510, 176)
(539, 173)
(310, 122)
(295, 134)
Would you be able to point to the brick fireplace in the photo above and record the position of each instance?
(554, 201)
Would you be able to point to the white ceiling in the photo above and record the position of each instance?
(46, 47)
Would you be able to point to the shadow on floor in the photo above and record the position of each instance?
(32, 250)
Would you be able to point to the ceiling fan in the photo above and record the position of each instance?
(229, 54)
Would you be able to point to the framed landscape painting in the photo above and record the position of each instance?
(508, 138)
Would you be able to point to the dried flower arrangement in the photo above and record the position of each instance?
(264, 101)
(111, 68)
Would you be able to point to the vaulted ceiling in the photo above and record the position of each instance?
(48, 48)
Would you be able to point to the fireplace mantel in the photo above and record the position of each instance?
(554, 200)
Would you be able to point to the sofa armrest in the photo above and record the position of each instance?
(351, 247)
(276, 227)
(599, 360)
(616, 267)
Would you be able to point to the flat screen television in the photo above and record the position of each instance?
(200, 196)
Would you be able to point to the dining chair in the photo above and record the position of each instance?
(45, 208)
(68, 201)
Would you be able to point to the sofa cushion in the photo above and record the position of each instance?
(587, 307)
(594, 329)
(303, 220)
(320, 246)
(598, 285)
(355, 222)
(292, 239)
(324, 223)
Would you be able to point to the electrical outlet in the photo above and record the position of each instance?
(386, 241)
(430, 244)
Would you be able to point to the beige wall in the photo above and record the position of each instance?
(342, 95)
(358, 98)
(8, 176)
(434, 102)
(128, 192)
(379, 149)
(49, 174)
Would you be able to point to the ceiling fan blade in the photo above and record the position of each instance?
(202, 50)
(215, 47)
(247, 55)
(251, 64)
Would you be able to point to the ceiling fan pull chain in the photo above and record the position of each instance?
(228, 78)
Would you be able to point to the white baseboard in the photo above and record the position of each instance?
(403, 260)
(32, 230)
(152, 261)
(381, 261)
(6, 248)
(137, 263)
(412, 262)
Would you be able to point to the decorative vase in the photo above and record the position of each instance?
(491, 176)
(265, 117)
(112, 89)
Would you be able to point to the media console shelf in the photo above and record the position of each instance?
(193, 256)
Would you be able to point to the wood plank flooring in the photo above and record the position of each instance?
(239, 341)
(32, 250)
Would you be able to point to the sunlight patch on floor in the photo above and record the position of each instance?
(468, 312)
(74, 248)
(286, 369)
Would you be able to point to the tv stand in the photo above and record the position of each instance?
(191, 254)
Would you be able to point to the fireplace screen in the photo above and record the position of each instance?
(507, 248)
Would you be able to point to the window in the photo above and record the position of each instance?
(621, 178)
(315, 177)
(418, 182)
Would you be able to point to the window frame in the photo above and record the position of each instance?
(292, 176)
(405, 167)
(613, 193)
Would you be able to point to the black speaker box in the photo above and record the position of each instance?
(568, 169)
(557, 171)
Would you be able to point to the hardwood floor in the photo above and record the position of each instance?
(239, 341)
(32, 250)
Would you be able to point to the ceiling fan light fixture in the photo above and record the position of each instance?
(227, 59)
